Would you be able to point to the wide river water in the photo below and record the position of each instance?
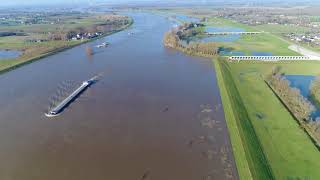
(155, 114)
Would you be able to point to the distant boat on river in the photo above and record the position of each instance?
(105, 44)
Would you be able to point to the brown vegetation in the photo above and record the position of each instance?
(178, 39)
(315, 90)
(297, 104)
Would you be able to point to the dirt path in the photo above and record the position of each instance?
(306, 52)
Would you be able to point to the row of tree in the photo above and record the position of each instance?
(298, 105)
(315, 90)
(178, 38)
(108, 26)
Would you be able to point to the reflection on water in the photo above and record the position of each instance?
(303, 82)
(9, 54)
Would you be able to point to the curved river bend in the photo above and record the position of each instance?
(155, 114)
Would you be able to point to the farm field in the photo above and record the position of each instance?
(269, 135)
(35, 41)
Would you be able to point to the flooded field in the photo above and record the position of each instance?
(222, 38)
(303, 82)
(185, 18)
(8, 54)
(154, 114)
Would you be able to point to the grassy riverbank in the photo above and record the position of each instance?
(274, 139)
(33, 51)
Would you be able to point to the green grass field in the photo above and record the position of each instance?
(221, 22)
(279, 28)
(260, 43)
(269, 136)
(265, 42)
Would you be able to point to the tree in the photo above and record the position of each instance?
(315, 89)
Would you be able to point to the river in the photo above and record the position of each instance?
(155, 114)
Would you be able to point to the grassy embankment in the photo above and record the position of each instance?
(33, 51)
(286, 148)
(267, 141)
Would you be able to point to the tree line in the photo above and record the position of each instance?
(300, 106)
(107, 26)
(315, 90)
(178, 38)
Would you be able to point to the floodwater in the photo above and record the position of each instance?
(8, 54)
(185, 18)
(230, 52)
(222, 38)
(303, 83)
(261, 53)
(155, 114)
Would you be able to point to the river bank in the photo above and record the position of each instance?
(14, 64)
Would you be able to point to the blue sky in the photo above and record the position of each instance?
(31, 2)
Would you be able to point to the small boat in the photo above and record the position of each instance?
(105, 44)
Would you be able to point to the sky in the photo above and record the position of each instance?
(45, 2)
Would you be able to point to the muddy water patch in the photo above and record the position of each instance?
(206, 142)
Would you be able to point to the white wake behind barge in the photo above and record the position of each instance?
(59, 108)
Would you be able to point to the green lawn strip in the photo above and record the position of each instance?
(258, 164)
(234, 133)
(287, 147)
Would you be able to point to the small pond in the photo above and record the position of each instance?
(222, 38)
(9, 54)
(212, 29)
(230, 52)
(261, 53)
(303, 83)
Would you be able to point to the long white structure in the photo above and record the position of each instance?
(59, 108)
(269, 58)
(231, 33)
